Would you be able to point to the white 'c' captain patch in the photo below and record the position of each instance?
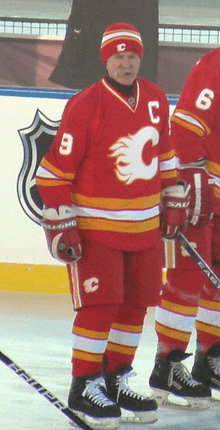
(132, 155)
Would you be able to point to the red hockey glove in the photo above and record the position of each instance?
(201, 193)
(174, 202)
(61, 232)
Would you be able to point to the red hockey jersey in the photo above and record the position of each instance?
(110, 158)
(195, 124)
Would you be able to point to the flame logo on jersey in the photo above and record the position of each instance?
(133, 155)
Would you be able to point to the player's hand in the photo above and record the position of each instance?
(201, 193)
(62, 234)
(175, 206)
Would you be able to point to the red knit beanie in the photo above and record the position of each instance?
(120, 37)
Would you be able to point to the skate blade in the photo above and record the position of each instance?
(96, 423)
(215, 399)
(170, 401)
(149, 417)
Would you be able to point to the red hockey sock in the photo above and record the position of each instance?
(176, 314)
(124, 336)
(208, 317)
(90, 333)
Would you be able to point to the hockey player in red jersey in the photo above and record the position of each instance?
(101, 184)
(188, 297)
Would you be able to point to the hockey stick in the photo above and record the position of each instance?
(44, 392)
(198, 259)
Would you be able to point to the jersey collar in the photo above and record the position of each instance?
(122, 97)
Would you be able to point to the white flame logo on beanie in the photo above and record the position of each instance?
(121, 47)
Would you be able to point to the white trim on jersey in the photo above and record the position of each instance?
(190, 120)
(122, 215)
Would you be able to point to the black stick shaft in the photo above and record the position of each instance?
(198, 260)
(44, 392)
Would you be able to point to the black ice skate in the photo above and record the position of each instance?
(142, 409)
(206, 368)
(170, 376)
(89, 400)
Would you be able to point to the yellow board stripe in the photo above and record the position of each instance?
(87, 356)
(90, 333)
(34, 278)
(179, 309)
(173, 334)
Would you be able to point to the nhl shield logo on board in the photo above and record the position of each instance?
(36, 140)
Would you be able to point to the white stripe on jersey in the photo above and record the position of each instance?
(123, 215)
(190, 120)
(44, 173)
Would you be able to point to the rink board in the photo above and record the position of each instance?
(25, 263)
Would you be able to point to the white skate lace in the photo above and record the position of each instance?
(95, 394)
(122, 384)
(214, 363)
(182, 373)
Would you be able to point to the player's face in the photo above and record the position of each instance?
(123, 67)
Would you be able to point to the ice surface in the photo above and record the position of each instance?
(41, 344)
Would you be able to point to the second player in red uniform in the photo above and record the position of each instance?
(188, 297)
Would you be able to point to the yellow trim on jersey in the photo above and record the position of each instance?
(189, 125)
(91, 334)
(48, 166)
(169, 252)
(217, 192)
(118, 226)
(174, 334)
(51, 182)
(128, 350)
(75, 285)
(168, 175)
(114, 203)
(87, 356)
(213, 168)
(128, 328)
(215, 306)
(132, 109)
(178, 309)
(207, 328)
(167, 155)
